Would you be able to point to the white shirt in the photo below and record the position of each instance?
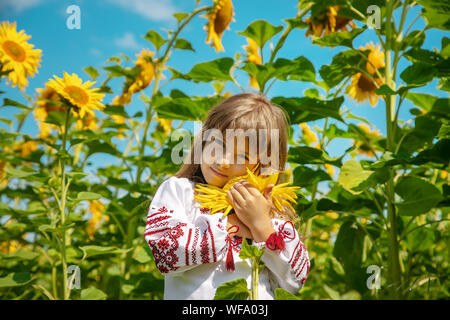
(190, 246)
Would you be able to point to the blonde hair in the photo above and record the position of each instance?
(244, 111)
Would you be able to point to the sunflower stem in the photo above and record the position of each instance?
(393, 249)
(62, 206)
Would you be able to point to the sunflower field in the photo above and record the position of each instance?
(375, 216)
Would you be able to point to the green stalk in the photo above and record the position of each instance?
(62, 163)
(393, 250)
(255, 280)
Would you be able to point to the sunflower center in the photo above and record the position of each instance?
(365, 84)
(223, 17)
(77, 94)
(14, 50)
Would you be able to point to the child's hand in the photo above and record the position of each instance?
(241, 230)
(253, 208)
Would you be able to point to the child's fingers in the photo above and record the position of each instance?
(242, 190)
(251, 189)
(236, 197)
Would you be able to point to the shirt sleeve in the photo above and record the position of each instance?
(289, 266)
(178, 244)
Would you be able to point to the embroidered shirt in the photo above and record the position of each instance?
(190, 245)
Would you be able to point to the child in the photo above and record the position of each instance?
(197, 251)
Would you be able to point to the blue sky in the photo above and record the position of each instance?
(111, 27)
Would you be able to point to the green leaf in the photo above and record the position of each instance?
(118, 71)
(180, 16)
(215, 70)
(300, 69)
(349, 245)
(56, 117)
(232, 290)
(418, 74)
(385, 90)
(339, 38)
(155, 38)
(445, 50)
(101, 147)
(260, 31)
(190, 108)
(305, 176)
(307, 109)
(419, 196)
(249, 251)
(92, 293)
(422, 100)
(183, 44)
(92, 72)
(441, 108)
(116, 110)
(334, 295)
(436, 13)
(12, 103)
(420, 239)
(142, 254)
(355, 179)
(281, 294)
(15, 279)
(91, 251)
(413, 40)
(342, 66)
(308, 155)
(22, 254)
(88, 196)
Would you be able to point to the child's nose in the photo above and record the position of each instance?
(226, 161)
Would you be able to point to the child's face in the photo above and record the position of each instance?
(218, 171)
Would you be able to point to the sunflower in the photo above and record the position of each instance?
(375, 57)
(96, 208)
(84, 99)
(164, 124)
(144, 78)
(3, 180)
(147, 73)
(26, 148)
(253, 57)
(216, 198)
(308, 135)
(328, 21)
(17, 55)
(87, 123)
(219, 18)
(362, 86)
(47, 101)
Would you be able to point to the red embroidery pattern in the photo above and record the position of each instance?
(212, 243)
(164, 249)
(161, 210)
(204, 251)
(157, 219)
(298, 254)
(194, 246)
(205, 210)
(186, 253)
(152, 229)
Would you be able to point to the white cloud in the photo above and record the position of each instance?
(127, 41)
(157, 10)
(18, 6)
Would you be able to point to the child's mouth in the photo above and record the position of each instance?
(218, 174)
